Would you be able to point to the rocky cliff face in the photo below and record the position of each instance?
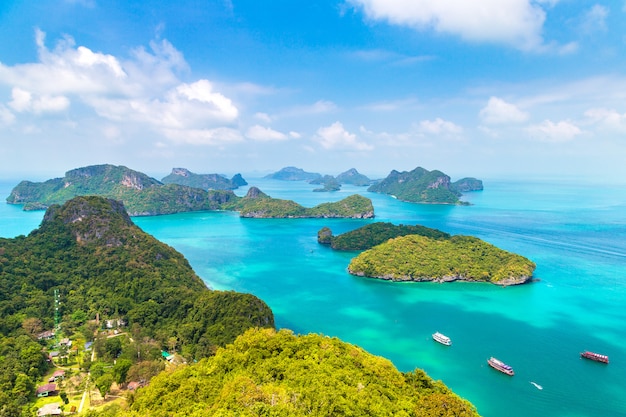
(91, 219)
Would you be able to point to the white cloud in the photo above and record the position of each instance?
(264, 134)
(295, 135)
(214, 105)
(550, 131)
(607, 118)
(217, 136)
(439, 127)
(264, 117)
(513, 22)
(498, 111)
(336, 137)
(6, 117)
(23, 101)
(143, 91)
(594, 19)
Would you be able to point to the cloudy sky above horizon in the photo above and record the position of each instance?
(488, 88)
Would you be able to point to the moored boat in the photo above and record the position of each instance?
(594, 356)
(441, 338)
(500, 366)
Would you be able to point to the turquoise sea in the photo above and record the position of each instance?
(575, 232)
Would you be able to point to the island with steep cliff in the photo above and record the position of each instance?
(146, 196)
(423, 186)
(418, 253)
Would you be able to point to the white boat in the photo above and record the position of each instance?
(441, 338)
(500, 366)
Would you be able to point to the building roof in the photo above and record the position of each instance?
(52, 409)
(47, 388)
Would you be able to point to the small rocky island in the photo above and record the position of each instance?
(417, 253)
(423, 186)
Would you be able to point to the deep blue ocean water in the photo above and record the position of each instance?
(575, 233)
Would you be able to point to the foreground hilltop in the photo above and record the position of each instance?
(423, 186)
(101, 265)
(269, 373)
(146, 196)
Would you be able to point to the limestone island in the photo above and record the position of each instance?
(395, 253)
(146, 196)
(423, 186)
(183, 176)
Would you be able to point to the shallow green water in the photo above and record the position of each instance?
(575, 233)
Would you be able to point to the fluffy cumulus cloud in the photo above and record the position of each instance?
(550, 131)
(144, 90)
(439, 127)
(498, 111)
(337, 137)
(514, 22)
(264, 134)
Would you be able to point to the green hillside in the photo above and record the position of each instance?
(419, 258)
(104, 266)
(269, 373)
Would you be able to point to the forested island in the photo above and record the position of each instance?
(183, 176)
(88, 274)
(423, 186)
(418, 253)
(146, 196)
(259, 205)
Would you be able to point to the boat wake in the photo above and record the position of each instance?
(536, 385)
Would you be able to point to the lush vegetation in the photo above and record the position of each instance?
(103, 265)
(419, 186)
(259, 205)
(145, 196)
(329, 182)
(182, 176)
(269, 373)
(352, 176)
(141, 194)
(419, 258)
(368, 236)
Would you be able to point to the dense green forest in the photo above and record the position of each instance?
(269, 373)
(419, 258)
(423, 186)
(259, 205)
(102, 264)
(370, 235)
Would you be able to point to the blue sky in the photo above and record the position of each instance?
(487, 88)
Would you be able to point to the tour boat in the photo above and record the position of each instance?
(500, 366)
(444, 340)
(594, 356)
